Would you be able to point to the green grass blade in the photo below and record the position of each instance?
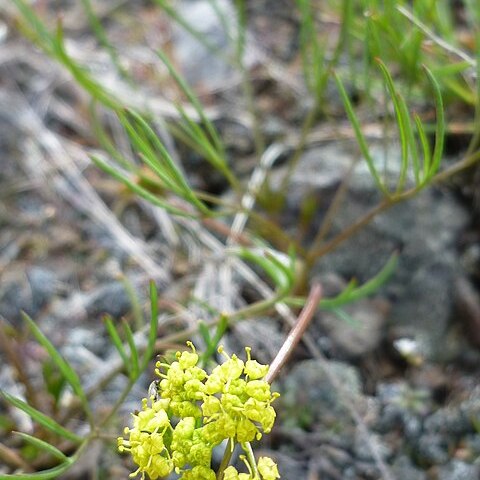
(312, 50)
(195, 103)
(201, 38)
(140, 191)
(451, 69)
(401, 120)
(174, 172)
(147, 154)
(241, 28)
(370, 287)
(67, 371)
(281, 275)
(134, 363)
(117, 341)
(222, 18)
(353, 293)
(42, 445)
(202, 145)
(410, 136)
(43, 36)
(345, 317)
(212, 342)
(41, 418)
(440, 125)
(51, 473)
(105, 142)
(152, 335)
(359, 135)
(81, 76)
(134, 301)
(102, 38)
(427, 154)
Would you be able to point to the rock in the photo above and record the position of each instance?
(290, 467)
(403, 468)
(431, 450)
(424, 230)
(308, 397)
(208, 69)
(468, 309)
(44, 284)
(111, 298)
(30, 294)
(458, 470)
(351, 340)
(265, 339)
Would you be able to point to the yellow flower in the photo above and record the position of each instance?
(267, 468)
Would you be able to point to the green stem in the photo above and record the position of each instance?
(227, 455)
(247, 447)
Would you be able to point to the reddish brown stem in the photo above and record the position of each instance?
(296, 333)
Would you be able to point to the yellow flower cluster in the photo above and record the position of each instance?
(266, 467)
(195, 412)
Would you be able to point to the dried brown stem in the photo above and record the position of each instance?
(10, 347)
(12, 458)
(296, 332)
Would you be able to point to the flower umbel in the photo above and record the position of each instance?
(195, 412)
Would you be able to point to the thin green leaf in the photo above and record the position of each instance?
(440, 125)
(410, 135)
(204, 332)
(67, 371)
(374, 283)
(195, 103)
(359, 135)
(51, 473)
(117, 341)
(345, 317)
(152, 335)
(199, 36)
(211, 343)
(173, 171)
(461, 89)
(147, 154)
(142, 192)
(281, 275)
(105, 142)
(44, 38)
(41, 418)
(134, 302)
(81, 76)
(201, 143)
(102, 38)
(427, 154)
(353, 293)
(42, 445)
(134, 363)
(222, 326)
(451, 69)
(402, 120)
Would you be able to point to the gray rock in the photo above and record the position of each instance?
(352, 340)
(458, 470)
(308, 398)
(111, 298)
(423, 230)
(432, 450)
(44, 284)
(207, 68)
(29, 292)
(403, 469)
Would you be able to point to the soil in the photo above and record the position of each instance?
(394, 390)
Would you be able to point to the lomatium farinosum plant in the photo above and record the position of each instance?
(194, 412)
